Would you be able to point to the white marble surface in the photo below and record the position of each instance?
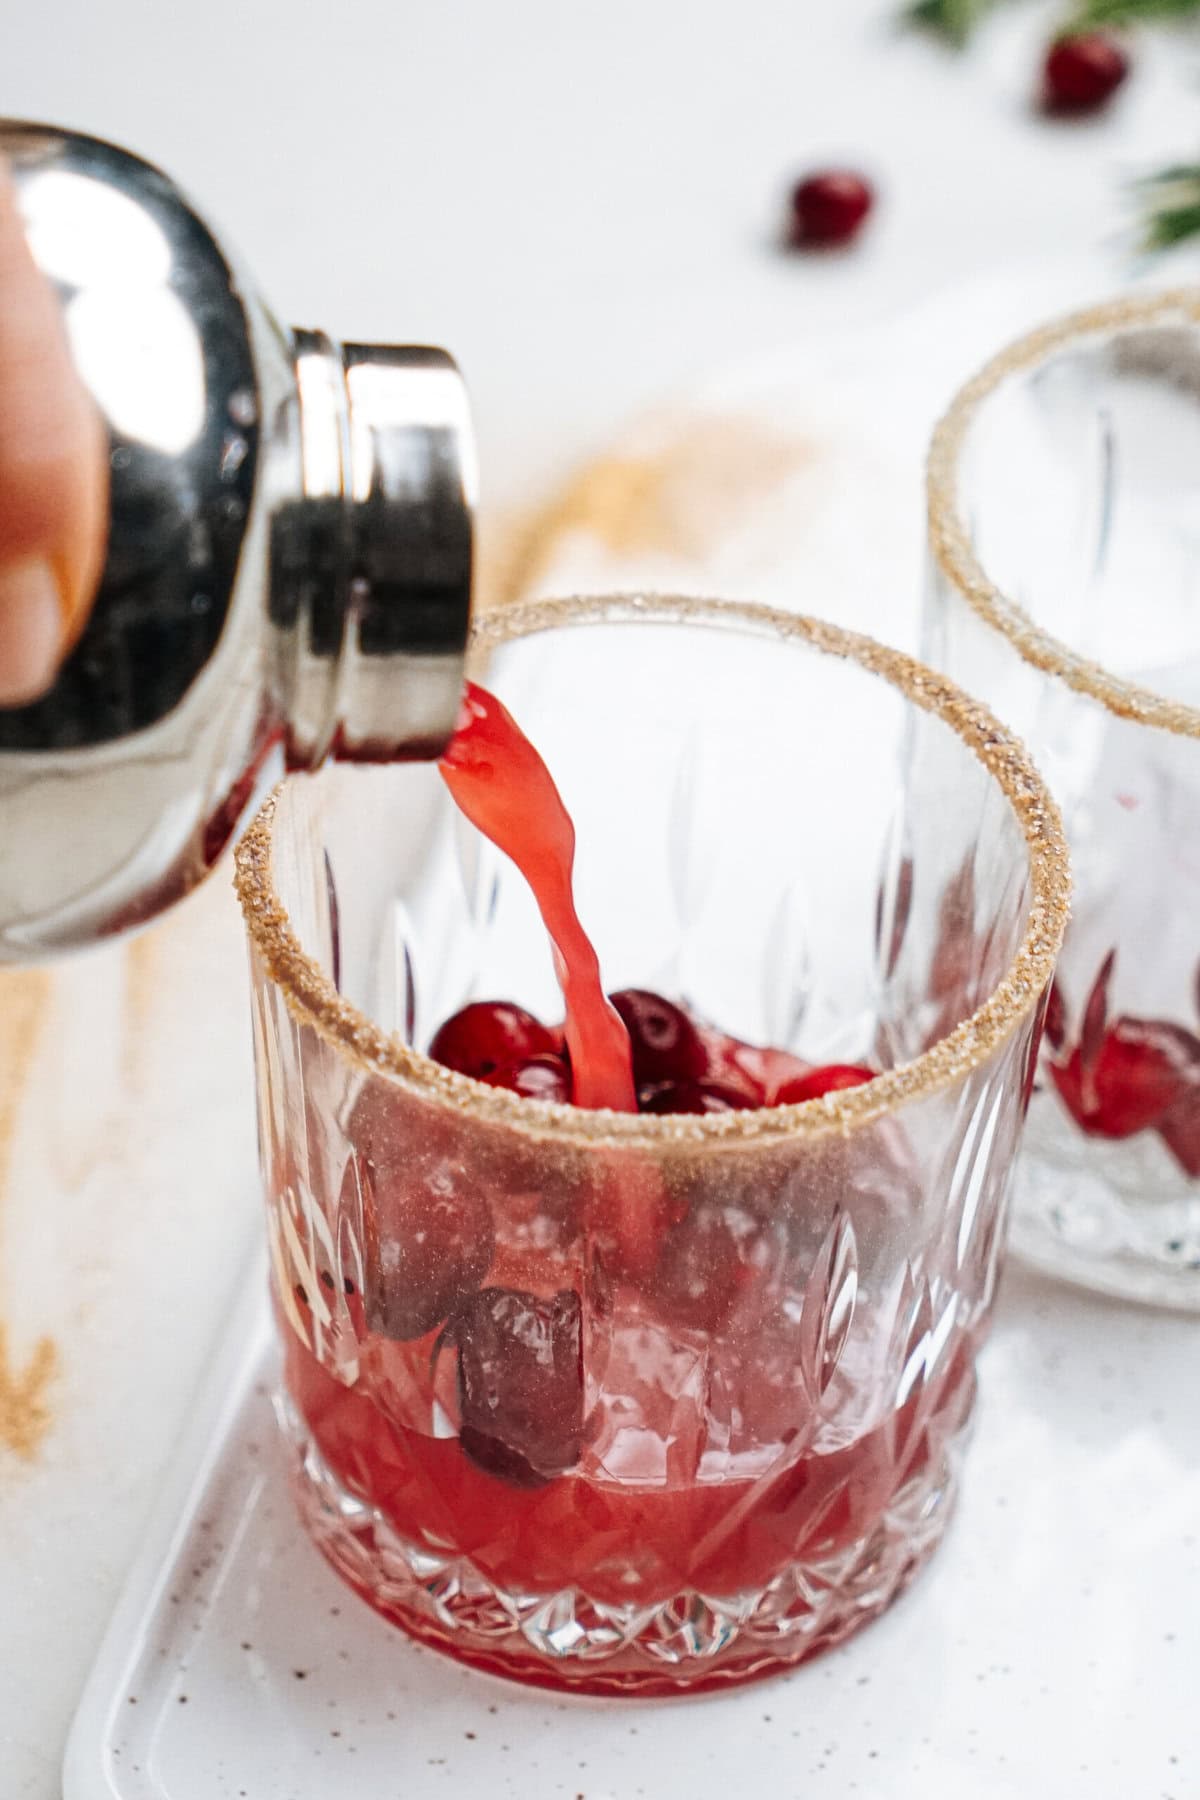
(580, 201)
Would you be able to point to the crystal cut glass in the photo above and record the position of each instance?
(754, 1332)
(1065, 590)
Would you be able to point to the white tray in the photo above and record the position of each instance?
(1049, 1652)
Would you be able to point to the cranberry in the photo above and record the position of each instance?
(743, 1069)
(707, 1262)
(1133, 1075)
(777, 1068)
(1143, 1071)
(1082, 73)
(828, 1079)
(520, 1382)
(828, 208)
(691, 1097)
(430, 1240)
(1147, 1066)
(545, 1077)
(490, 1036)
(666, 1045)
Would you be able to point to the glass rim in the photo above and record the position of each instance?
(950, 539)
(314, 1001)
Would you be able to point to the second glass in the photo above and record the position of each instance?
(1064, 508)
(630, 1403)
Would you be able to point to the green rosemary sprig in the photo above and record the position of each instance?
(955, 20)
(1172, 206)
(952, 20)
(1086, 15)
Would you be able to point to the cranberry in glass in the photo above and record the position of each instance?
(1082, 73)
(666, 1045)
(691, 1097)
(828, 1079)
(828, 208)
(1143, 1070)
(1132, 1075)
(545, 1077)
(520, 1382)
(489, 1036)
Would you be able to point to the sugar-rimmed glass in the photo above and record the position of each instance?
(1064, 570)
(763, 1325)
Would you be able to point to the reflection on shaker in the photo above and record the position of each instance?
(258, 599)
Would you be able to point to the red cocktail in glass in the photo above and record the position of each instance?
(644, 1401)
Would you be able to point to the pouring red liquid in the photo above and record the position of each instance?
(607, 1397)
(501, 784)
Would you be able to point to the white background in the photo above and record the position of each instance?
(581, 201)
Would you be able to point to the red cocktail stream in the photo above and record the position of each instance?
(498, 780)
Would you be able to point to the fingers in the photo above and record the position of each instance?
(53, 475)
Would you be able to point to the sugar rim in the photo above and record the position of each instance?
(314, 1001)
(951, 541)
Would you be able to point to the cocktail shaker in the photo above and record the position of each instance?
(288, 570)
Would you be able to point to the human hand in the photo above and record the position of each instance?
(53, 475)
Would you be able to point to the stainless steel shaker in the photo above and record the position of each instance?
(289, 559)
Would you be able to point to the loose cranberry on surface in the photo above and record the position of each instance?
(666, 1044)
(827, 1079)
(691, 1097)
(1082, 73)
(489, 1036)
(520, 1382)
(545, 1077)
(828, 208)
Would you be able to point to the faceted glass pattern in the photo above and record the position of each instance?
(1070, 464)
(748, 1340)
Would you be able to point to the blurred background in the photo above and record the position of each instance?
(583, 202)
(589, 206)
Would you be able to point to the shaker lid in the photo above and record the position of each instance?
(370, 567)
